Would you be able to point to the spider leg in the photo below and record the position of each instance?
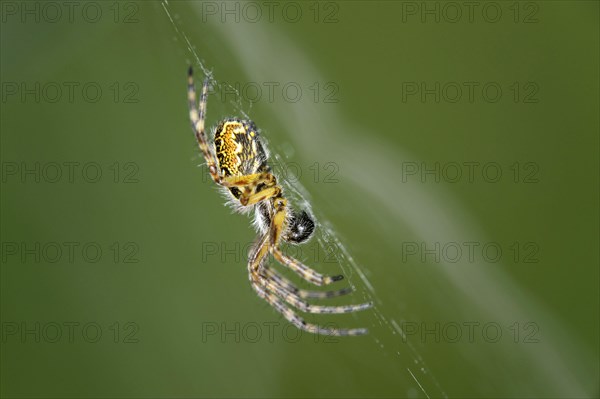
(306, 307)
(286, 284)
(302, 270)
(257, 256)
(197, 119)
(308, 274)
(296, 320)
(265, 288)
(250, 181)
(262, 195)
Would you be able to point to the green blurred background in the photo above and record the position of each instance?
(169, 292)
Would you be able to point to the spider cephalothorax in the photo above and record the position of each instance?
(237, 161)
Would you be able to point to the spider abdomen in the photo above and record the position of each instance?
(239, 150)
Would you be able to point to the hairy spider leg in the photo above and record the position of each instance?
(304, 306)
(197, 118)
(296, 320)
(305, 294)
(276, 294)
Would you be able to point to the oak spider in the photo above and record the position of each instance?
(237, 161)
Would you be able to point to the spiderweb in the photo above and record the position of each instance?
(414, 206)
(326, 235)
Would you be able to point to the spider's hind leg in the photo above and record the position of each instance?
(277, 225)
(302, 270)
(288, 286)
(299, 322)
(297, 302)
(276, 293)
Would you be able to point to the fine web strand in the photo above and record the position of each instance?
(220, 87)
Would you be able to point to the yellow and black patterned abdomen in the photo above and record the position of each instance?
(239, 150)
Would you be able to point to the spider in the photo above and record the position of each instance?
(237, 162)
